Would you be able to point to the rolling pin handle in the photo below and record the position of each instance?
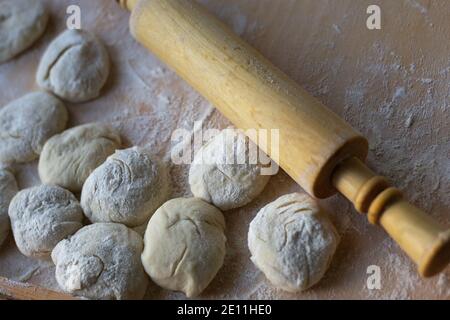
(424, 240)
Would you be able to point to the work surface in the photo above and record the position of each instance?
(391, 84)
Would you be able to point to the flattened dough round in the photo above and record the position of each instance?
(184, 245)
(218, 179)
(27, 123)
(292, 242)
(75, 66)
(41, 217)
(127, 188)
(8, 189)
(68, 158)
(22, 22)
(101, 261)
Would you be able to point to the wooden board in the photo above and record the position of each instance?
(391, 84)
(25, 291)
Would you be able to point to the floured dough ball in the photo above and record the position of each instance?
(184, 245)
(292, 242)
(127, 188)
(101, 261)
(27, 123)
(8, 189)
(22, 22)
(41, 217)
(69, 158)
(223, 174)
(75, 66)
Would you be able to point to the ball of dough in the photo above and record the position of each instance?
(41, 217)
(27, 123)
(184, 245)
(22, 22)
(68, 158)
(75, 66)
(217, 176)
(101, 261)
(292, 242)
(127, 188)
(8, 189)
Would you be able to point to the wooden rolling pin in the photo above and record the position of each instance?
(320, 151)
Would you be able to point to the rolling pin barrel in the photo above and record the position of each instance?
(319, 150)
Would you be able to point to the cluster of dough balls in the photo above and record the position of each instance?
(184, 243)
(290, 240)
(102, 260)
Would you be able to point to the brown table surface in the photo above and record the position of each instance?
(391, 84)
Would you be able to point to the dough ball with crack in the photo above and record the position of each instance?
(101, 261)
(22, 22)
(224, 172)
(8, 189)
(184, 245)
(75, 66)
(127, 188)
(27, 123)
(292, 242)
(41, 217)
(69, 158)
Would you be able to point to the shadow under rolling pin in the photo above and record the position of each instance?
(319, 150)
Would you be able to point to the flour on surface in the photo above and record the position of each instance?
(355, 73)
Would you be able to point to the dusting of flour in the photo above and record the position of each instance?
(388, 84)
